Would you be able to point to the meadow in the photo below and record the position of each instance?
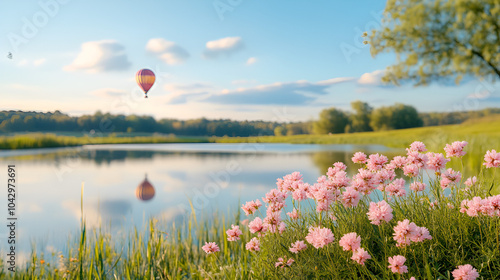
(340, 228)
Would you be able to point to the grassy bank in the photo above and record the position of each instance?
(48, 140)
(483, 132)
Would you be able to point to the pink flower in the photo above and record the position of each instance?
(234, 233)
(421, 234)
(397, 264)
(359, 157)
(492, 159)
(350, 242)
(210, 247)
(350, 197)
(417, 158)
(380, 211)
(340, 180)
(274, 196)
(257, 226)
(253, 245)
(411, 170)
(455, 149)
(376, 162)
(294, 215)
(284, 262)
(338, 166)
(396, 188)
(465, 272)
(319, 237)
(397, 162)
(471, 181)
(404, 231)
(298, 246)
(418, 186)
(450, 177)
(417, 146)
(250, 207)
(360, 256)
(436, 161)
(323, 196)
(272, 221)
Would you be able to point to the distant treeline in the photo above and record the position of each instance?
(361, 118)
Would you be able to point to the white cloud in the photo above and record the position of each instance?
(371, 78)
(333, 81)
(170, 52)
(251, 60)
(100, 56)
(39, 62)
(36, 62)
(223, 47)
(108, 92)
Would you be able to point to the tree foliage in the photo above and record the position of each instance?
(360, 119)
(331, 121)
(439, 39)
(397, 116)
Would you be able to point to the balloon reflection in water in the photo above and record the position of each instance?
(145, 191)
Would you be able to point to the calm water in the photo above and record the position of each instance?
(213, 176)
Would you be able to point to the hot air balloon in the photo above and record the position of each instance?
(145, 191)
(145, 79)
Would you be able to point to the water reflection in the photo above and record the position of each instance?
(212, 176)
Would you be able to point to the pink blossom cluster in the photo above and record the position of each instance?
(396, 264)
(489, 206)
(350, 242)
(396, 188)
(234, 233)
(455, 149)
(406, 232)
(465, 272)
(380, 211)
(210, 247)
(298, 246)
(376, 162)
(360, 256)
(250, 207)
(319, 237)
(253, 245)
(359, 157)
(450, 178)
(436, 161)
(492, 159)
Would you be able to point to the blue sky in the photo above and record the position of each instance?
(239, 59)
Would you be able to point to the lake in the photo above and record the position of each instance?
(212, 176)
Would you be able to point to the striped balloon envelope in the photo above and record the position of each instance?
(145, 191)
(145, 79)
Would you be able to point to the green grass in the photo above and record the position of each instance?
(48, 140)
(485, 131)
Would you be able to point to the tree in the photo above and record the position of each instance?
(439, 39)
(360, 120)
(279, 131)
(397, 116)
(331, 121)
